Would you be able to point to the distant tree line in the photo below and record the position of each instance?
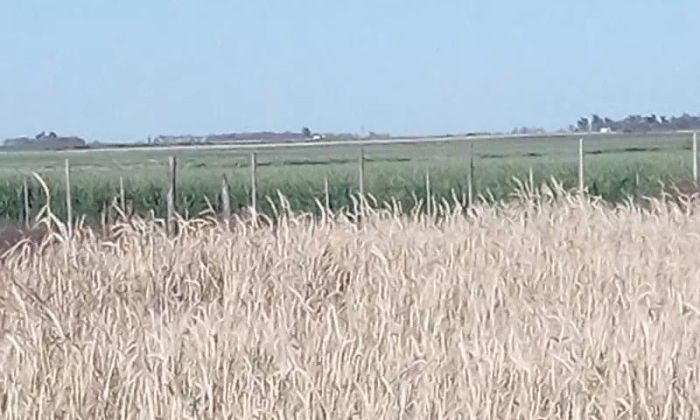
(637, 123)
(528, 130)
(44, 141)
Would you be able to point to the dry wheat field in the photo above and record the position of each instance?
(546, 308)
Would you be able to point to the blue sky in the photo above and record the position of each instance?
(125, 70)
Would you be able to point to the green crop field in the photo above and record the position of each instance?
(616, 167)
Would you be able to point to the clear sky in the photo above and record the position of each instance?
(124, 70)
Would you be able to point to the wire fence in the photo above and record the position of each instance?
(464, 189)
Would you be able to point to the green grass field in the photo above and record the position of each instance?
(616, 166)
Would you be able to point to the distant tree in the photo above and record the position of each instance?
(527, 130)
(306, 132)
(651, 119)
(634, 119)
(582, 124)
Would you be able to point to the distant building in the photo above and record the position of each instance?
(606, 130)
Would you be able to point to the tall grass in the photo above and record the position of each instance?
(92, 192)
(541, 307)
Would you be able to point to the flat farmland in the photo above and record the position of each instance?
(616, 167)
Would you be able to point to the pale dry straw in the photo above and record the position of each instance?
(541, 308)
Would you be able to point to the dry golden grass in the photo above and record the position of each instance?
(561, 309)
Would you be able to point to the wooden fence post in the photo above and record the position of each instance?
(581, 181)
(361, 165)
(25, 199)
(695, 158)
(470, 181)
(69, 201)
(170, 199)
(254, 184)
(326, 194)
(225, 200)
(531, 181)
(122, 195)
(428, 193)
(103, 219)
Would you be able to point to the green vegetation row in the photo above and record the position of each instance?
(91, 195)
(617, 167)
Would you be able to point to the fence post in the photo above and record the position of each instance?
(361, 164)
(225, 200)
(103, 219)
(428, 194)
(531, 181)
(470, 181)
(69, 201)
(170, 199)
(581, 182)
(695, 158)
(254, 184)
(122, 195)
(25, 199)
(326, 194)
